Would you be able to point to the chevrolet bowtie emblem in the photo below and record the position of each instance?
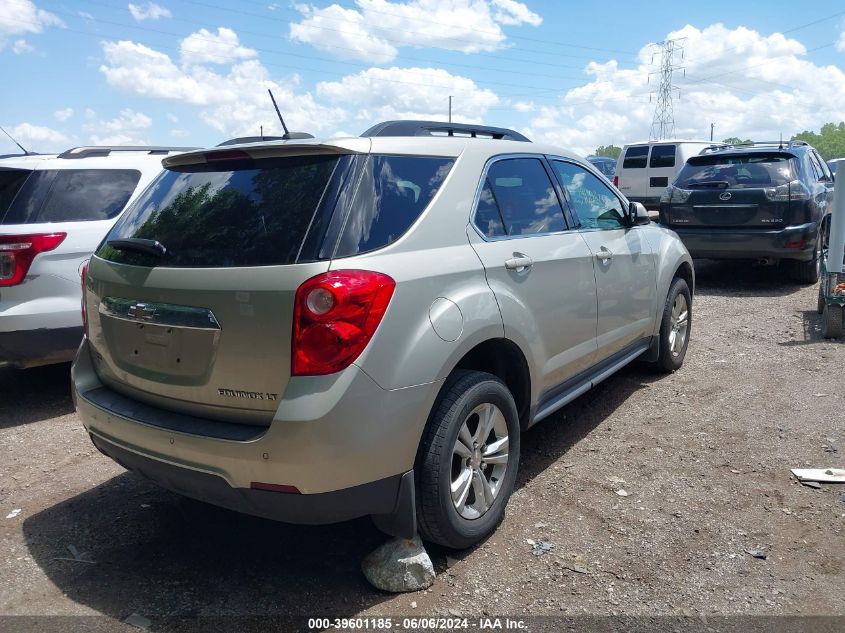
(142, 311)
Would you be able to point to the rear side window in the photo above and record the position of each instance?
(662, 156)
(636, 157)
(72, 195)
(737, 171)
(518, 198)
(392, 193)
(11, 181)
(226, 214)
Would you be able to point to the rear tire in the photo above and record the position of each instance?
(452, 457)
(671, 351)
(832, 321)
(821, 303)
(808, 272)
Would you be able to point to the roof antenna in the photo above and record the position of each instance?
(284, 127)
(781, 141)
(23, 149)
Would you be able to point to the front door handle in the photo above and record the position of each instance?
(519, 262)
(604, 255)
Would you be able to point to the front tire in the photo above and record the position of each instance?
(675, 327)
(467, 461)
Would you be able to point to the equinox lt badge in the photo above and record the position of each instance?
(249, 395)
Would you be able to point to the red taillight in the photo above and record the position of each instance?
(616, 181)
(18, 251)
(83, 273)
(796, 244)
(335, 316)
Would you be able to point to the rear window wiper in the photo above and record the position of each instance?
(139, 245)
(709, 183)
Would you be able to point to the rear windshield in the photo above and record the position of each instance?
(268, 212)
(72, 195)
(10, 181)
(636, 157)
(737, 171)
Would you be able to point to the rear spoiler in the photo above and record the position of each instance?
(272, 149)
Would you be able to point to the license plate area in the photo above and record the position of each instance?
(160, 342)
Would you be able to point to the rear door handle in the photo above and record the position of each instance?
(604, 255)
(519, 262)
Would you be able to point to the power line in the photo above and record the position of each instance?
(419, 19)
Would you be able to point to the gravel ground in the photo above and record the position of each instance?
(704, 456)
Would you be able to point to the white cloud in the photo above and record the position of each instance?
(149, 11)
(514, 13)
(375, 29)
(205, 47)
(38, 138)
(22, 46)
(840, 44)
(750, 85)
(409, 93)
(23, 16)
(63, 115)
(179, 133)
(234, 100)
(128, 128)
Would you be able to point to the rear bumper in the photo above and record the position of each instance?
(31, 348)
(731, 243)
(389, 500)
(344, 442)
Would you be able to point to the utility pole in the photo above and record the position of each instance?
(450, 108)
(712, 125)
(663, 123)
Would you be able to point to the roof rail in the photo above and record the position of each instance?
(716, 147)
(105, 150)
(440, 128)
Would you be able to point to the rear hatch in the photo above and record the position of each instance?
(202, 323)
(752, 190)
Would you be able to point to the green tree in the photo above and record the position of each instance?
(735, 140)
(829, 141)
(611, 151)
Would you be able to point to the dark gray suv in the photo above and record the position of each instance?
(762, 201)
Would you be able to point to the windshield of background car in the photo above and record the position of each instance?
(737, 171)
(72, 195)
(10, 182)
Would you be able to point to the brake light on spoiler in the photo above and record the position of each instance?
(18, 251)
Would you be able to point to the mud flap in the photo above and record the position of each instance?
(402, 522)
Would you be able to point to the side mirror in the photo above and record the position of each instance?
(638, 213)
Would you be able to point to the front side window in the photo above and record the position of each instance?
(595, 204)
(636, 157)
(72, 195)
(662, 156)
(518, 198)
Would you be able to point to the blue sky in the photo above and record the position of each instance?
(194, 72)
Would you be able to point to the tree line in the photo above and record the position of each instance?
(829, 141)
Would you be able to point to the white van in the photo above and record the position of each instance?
(645, 169)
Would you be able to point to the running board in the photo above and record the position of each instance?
(588, 382)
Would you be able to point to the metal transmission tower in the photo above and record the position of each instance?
(663, 123)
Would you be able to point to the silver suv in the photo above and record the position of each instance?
(318, 330)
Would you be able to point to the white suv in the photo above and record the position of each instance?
(54, 210)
